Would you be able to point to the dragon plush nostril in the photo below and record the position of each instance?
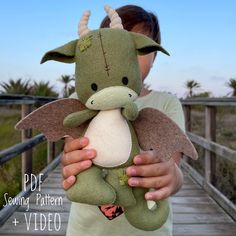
(130, 95)
(92, 102)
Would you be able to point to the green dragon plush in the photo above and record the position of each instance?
(108, 81)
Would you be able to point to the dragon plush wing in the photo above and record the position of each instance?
(157, 131)
(49, 119)
(153, 128)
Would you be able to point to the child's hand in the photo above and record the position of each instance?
(75, 159)
(150, 171)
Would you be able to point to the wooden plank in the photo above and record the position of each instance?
(222, 200)
(27, 156)
(191, 199)
(210, 134)
(50, 151)
(17, 149)
(222, 151)
(191, 173)
(210, 101)
(197, 208)
(24, 99)
(228, 229)
(205, 218)
(193, 193)
(187, 115)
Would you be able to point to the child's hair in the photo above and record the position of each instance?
(134, 16)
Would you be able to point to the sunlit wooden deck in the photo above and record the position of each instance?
(195, 213)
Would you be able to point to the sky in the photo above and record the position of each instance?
(199, 34)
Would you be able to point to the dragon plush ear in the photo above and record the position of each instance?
(145, 45)
(65, 53)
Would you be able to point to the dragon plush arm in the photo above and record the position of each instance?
(78, 118)
(130, 111)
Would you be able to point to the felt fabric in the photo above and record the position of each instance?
(65, 53)
(49, 119)
(118, 96)
(130, 111)
(78, 118)
(91, 188)
(111, 62)
(108, 63)
(161, 133)
(145, 45)
(141, 217)
(109, 133)
(158, 132)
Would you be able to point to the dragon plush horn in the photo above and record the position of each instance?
(83, 24)
(114, 17)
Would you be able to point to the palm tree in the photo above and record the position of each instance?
(43, 89)
(191, 85)
(66, 79)
(16, 87)
(232, 84)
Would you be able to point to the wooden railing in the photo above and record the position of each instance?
(25, 148)
(211, 148)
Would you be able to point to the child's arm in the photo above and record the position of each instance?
(164, 176)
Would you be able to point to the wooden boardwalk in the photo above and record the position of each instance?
(195, 213)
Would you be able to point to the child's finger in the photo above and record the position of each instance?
(151, 170)
(77, 156)
(75, 144)
(158, 194)
(76, 168)
(149, 182)
(67, 183)
(148, 157)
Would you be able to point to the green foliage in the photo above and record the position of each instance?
(43, 89)
(27, 88)
(233, 145)
(191, 85)
(232, 84)
(9, 172)
(71, 90)
(227, 133)
(205, 94)
(225, 181)
(17, 86)
(66, 79)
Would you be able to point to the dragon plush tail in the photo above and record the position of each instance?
(141, 217)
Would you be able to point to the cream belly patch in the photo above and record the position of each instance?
(110, 136)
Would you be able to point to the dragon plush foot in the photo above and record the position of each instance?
(90, 188)
(141, 217)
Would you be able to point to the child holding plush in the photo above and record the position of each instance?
(148, 169)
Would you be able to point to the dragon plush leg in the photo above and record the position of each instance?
(141, 217)
(90, 188)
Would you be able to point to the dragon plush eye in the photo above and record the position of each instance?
(94, 87)
(125, 80)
